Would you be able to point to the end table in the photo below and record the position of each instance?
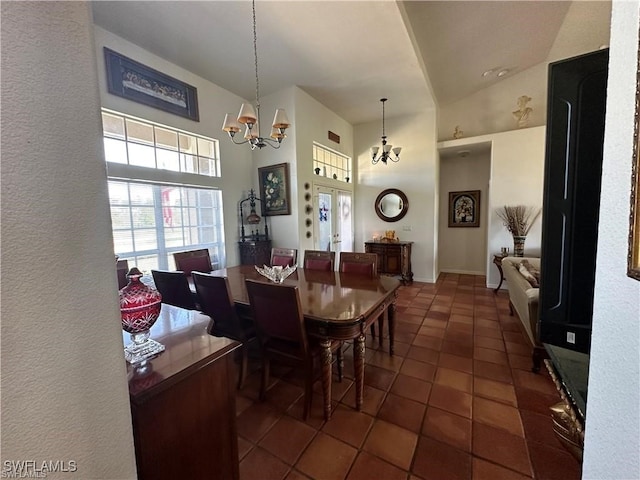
(497, 260)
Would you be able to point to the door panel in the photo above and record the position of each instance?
(333, 225)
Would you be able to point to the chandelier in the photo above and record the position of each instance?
(386, 149)
(251, 119)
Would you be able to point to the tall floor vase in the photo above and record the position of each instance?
(518, 245)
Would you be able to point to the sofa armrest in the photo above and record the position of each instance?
(523, 297)
(534, 297)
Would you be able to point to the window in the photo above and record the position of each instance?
(331, 164)
(161, 201)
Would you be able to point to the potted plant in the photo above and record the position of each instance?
(518, 219)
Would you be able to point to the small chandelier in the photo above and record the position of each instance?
(386, 149)
(248, 116)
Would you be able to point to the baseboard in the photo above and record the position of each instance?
(461, 272)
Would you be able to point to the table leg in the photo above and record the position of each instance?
(326, 376)
(497, 261)
(358, 363)
(391, 318)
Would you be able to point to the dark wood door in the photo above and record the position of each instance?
(573, 167)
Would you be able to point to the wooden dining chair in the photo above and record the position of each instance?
(282, 334)
(216, 301)
(362, 264)
(319, 260)
(284, 257)
(174, 288)
(122, 268)
(193, 261)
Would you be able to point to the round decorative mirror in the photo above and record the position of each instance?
(391, 205)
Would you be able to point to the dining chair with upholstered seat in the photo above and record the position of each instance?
(319, 260)
(174, 288)
(193, 261)
(284, 257)
(216, 301)
(362, 264)
(282, 334)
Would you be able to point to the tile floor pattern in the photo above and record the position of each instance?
(456, 401)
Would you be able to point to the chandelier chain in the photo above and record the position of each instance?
(383, 136)
(251, 118)
(255, 57)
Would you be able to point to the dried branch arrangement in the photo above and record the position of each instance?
(518, 218)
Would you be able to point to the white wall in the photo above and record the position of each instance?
(416, 175)
(64, 383)
(283, 229)
(315, 121)
(490, 110)
(517, 178)
(463, 250)
(612, 429)
(238, 172)
(310, 122)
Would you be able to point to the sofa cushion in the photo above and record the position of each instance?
(530, 272)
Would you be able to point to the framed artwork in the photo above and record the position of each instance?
(274, 189)
(139, 83)
(633, 257)
(464, 209)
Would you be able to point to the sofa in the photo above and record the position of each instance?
(523, 300)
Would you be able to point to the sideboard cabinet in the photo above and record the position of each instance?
(394, 258)
(183, 402)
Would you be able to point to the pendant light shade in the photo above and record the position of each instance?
(387, 148)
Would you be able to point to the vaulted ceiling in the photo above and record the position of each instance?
(349, 54)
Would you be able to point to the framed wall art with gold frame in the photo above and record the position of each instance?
(633, 262)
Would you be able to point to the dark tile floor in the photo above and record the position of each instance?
(456, 401)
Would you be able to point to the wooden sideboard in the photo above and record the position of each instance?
(394, 258)
(183, 402)
(255, 252)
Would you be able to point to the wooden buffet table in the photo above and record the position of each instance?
(183, 402)
(394, 258)
(336, 306)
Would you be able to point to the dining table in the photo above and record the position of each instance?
(336, 306)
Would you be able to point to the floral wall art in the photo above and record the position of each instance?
(464, 209)
(274, 189)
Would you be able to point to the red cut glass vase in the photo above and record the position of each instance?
(139, 308)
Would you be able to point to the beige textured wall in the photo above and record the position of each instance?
(63, 382)
(612, 431)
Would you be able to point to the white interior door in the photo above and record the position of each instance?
(333, 226)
